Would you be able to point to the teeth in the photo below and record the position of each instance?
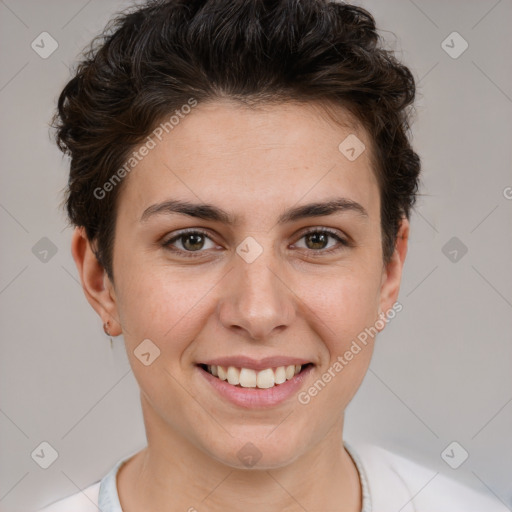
(248, 378)
(221, 373)
(280, 375)
(266, 379)
(290, 371)
(233, 375)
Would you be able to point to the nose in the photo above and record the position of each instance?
(257, 300)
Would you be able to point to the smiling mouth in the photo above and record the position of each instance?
(248, 378)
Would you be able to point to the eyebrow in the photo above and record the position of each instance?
(213, 213)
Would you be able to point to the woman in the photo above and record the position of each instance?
(241, 183)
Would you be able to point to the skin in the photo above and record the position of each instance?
(253, 163)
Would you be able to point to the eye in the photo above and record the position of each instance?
(190, 241)
(317, 240)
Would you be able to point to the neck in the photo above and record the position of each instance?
(172, 470)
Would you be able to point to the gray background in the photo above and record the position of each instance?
(442, 369)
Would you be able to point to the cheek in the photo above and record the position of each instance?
(169, 310)
(342, 308)
(344, 304)
(164, 305)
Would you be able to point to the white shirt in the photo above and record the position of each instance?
(390, 483)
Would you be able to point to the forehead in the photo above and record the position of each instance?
(262, 158)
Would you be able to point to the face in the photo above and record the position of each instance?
(255, 280)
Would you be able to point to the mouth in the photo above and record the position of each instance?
(267, 378)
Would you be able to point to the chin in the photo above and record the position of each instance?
(259, 451)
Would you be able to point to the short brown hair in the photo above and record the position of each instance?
(152, 59)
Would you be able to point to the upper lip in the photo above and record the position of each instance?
(255, 364)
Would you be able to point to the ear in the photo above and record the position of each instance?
(392, 272)
(96, 284)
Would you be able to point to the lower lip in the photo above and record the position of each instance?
(256, 398)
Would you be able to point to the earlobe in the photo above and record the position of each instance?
(96, 284)
(392, 273)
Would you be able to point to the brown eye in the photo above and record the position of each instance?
(189, 242)
(318, 241)
(193, 241)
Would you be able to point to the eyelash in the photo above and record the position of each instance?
(342, 243)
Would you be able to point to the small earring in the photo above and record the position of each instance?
(107, 332)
